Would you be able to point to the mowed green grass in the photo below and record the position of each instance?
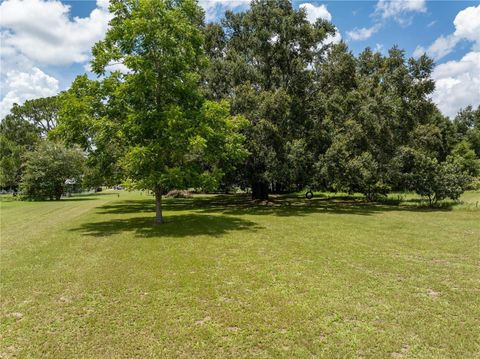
(92, 277)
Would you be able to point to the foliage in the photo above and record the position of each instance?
(260, 100)
(47, 168)
(467, 125)
(90, 116)
(42, 113)
(430, 178)
(474, 184)
(465, 156)
(372, 106)
(17, 136)
(171, 137)
(262, 60)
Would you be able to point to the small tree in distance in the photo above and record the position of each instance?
(433, 179)
(47, 168)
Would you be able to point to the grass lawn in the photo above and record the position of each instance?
(92, 277)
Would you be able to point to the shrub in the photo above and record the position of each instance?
(474, 184)
(438, 181)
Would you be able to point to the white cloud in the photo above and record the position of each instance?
(110, 67)
(20, 79)
(467, 24)
(335, 39)
(215, 8)
(441, 47)
(37, 33)
(467, 27)
(321, 12)
(316, 12)
(20, 86)
(363, 33)
(117, 67)
(457, 84)
(43, 32)
(399, 9)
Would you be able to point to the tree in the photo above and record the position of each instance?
(467, 125)
(17, 136)
(369, 107)
(90, 116)
(41, 113)
(262, 61)
(465, 157)
(172, 137)
(19, 132)
(430, 178)
(47, 168)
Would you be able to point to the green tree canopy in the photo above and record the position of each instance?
(172, 137)
(47, 168)
(17, 136)
(263, 61)
(41, 113)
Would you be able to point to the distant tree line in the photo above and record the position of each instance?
(260, 100)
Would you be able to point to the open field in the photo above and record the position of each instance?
(92, 277)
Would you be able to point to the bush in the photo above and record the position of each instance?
(419, 172)
(438, 181)
(474, 184)
(451, 181)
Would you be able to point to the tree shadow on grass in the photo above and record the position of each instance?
(88, 196)
(278, 206)
(174, 226)
(74, 199)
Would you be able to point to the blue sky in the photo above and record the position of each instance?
(46, 43)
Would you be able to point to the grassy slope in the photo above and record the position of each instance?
(329, 278)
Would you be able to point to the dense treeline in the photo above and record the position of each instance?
(261, 100)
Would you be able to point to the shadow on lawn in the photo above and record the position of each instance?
(174, 226)
(279, 206)
(86, 196)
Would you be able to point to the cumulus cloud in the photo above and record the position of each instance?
(38, 33)
(20, 86)
(335, 39)
(43, 32)
(467, 24)
(363, 33)
(320, 12)
(467, 27)
(316, 12)
(399, 10)
(457, 84)
(441, 47)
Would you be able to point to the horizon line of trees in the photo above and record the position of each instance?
(257, 100)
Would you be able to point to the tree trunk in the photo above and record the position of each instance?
(158, 202)
(260, 191)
